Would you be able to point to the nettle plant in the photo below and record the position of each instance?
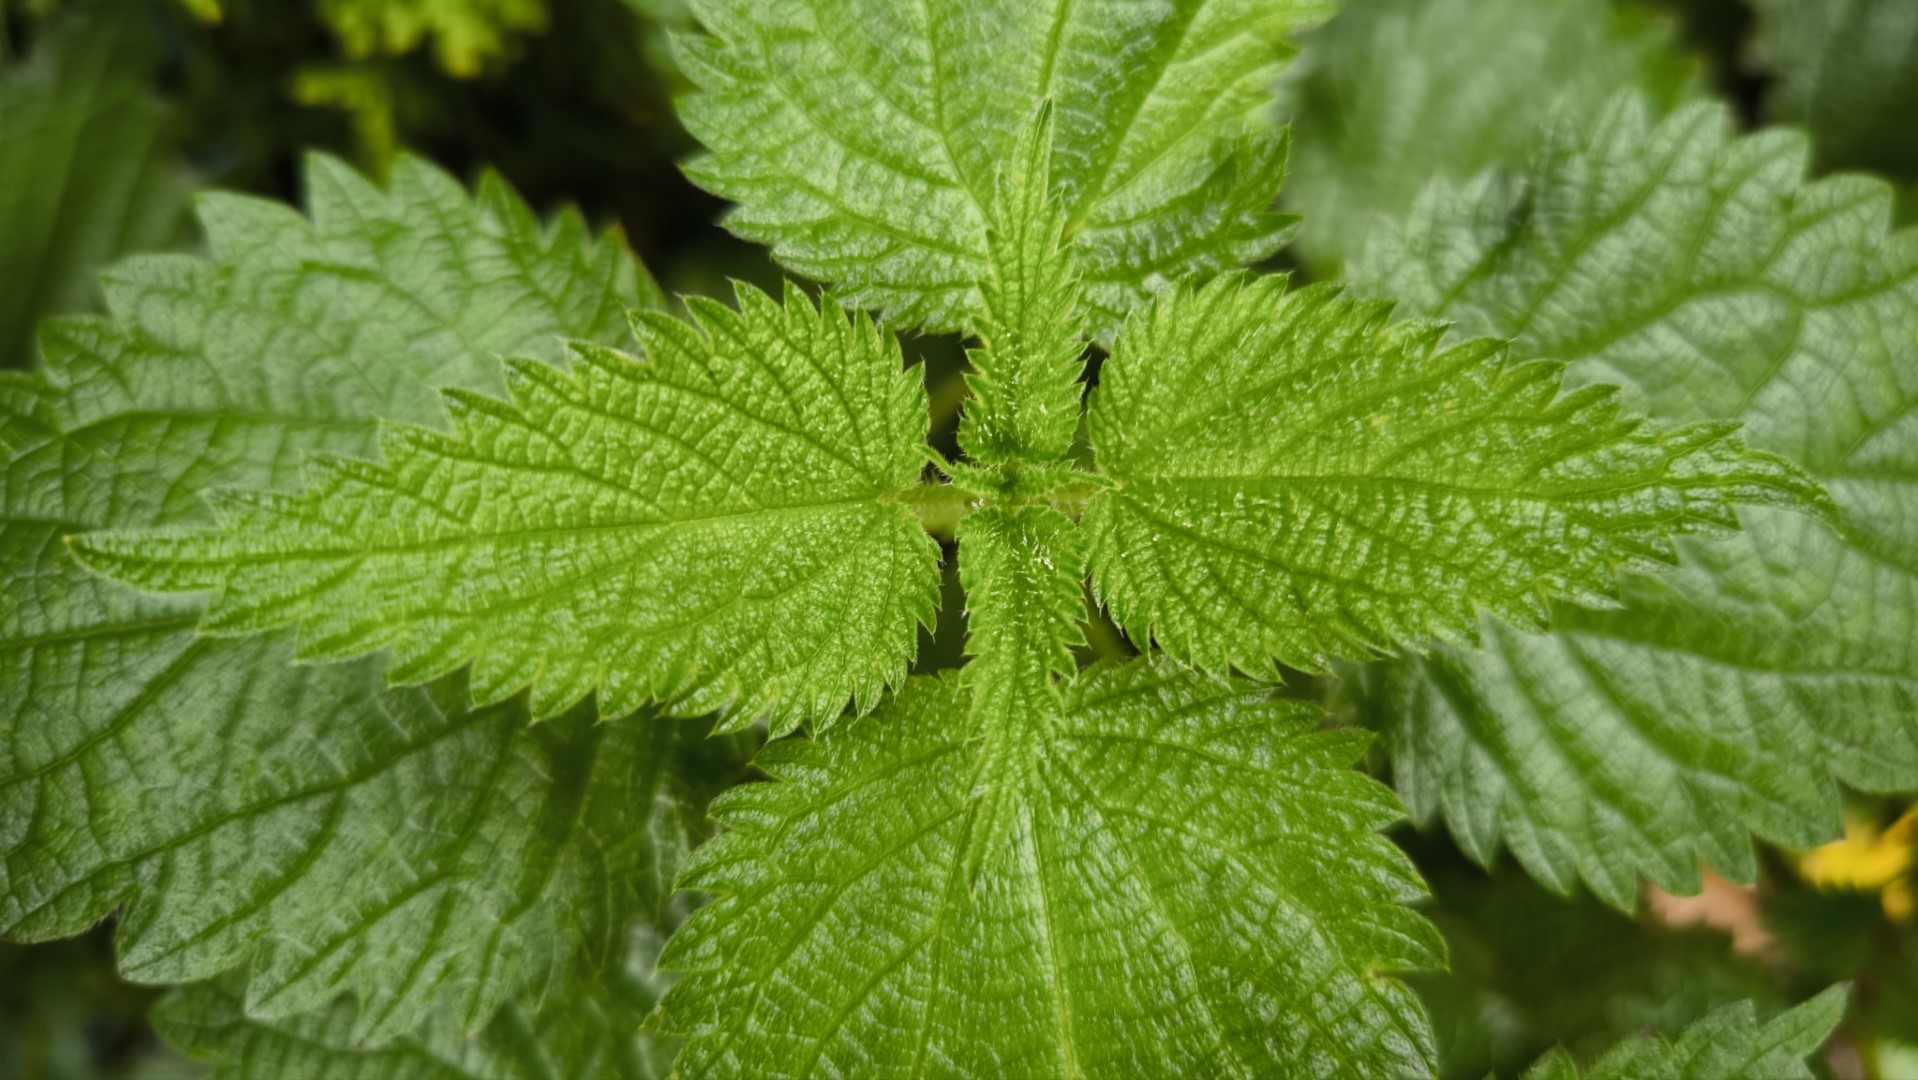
(381, 752)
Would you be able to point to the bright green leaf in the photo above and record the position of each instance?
(1730, 1044)
(864, 139)
(1392, 94)
(327, 834)
(1022, 572)
(1848, 71)
(1192, 885)
(717, 526)
(1702, 272)
(1293, 478)
(466, 33)
(84, 176)
(1025, 386)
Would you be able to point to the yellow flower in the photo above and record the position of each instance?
(1868, 860)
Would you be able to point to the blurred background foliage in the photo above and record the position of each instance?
(113, 112)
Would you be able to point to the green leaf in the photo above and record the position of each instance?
(586, 1027)
(1730, 1044)
(466, 33)
(84, 175)
(329, 835)
(1703, 273)
(864, 140)
(719, 526)
(1392, 94)
(1293, 478)
(1530, 969)
(1848, 71)
(1122, 931)
(1022, 571)
(1025, 382)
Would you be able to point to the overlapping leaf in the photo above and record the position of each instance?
(1730, 1044)
(1295, 479)
(1120, 930)
(1392, 94)
(1704, 274)
(862, 139)
(78, 107)
(1848, 71)
(330, 835)
(589, 1026)
(718, 525)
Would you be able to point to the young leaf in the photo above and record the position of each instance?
(1394, 93)
(1125, 929)
(1025, 389)
(1848, 71)
(1294, 478)
(240, 809)
(1704, 274)
(465, 33)
(1730, 1044)
(1021, 571)
(862, 140)
(78, 108)
(716, 526)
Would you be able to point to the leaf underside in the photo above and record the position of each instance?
(1701, 272)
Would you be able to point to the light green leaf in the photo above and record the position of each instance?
(84, 176)
(1848, 71)
(465, 33)
(1292, 478)
(1392, 94)
(1122, 930)
(1703, 273)
(719, 526)
(1022, 571)
(1730, 1044)
(1025, 382)
(863, 139)
(242, 810)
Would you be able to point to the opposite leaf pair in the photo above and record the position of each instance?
(730, 522)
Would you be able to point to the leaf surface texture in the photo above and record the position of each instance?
(1191, 883)
(1294, 478)
(326, 834)
(714, 526)
(1704, 274)
(862, 138)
